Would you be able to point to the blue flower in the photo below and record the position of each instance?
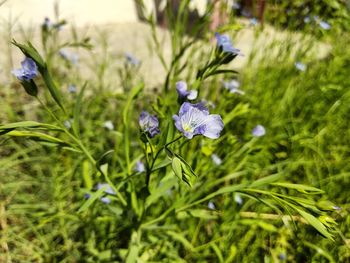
(149, 123)
(132, 60)
(72, 88)
(233, 87)
(224, 44)
(253, 21)
(259, 131)
(324, 25)
(108, 125)
(211, 205)
(238, 199)
(307, 19)
(300, 66)
(106, 200)
(194, 119)
(282, 256)
(216, 159)
(107, 188)
(140, 167)
(28, 71)
(181, 87)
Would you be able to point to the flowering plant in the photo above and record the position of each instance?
(151, 164)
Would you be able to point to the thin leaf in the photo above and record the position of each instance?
(300, 187)
(77, 108)
(92, 199)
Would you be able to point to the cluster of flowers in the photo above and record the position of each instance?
(192, 119)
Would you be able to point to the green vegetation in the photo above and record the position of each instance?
(278, 197)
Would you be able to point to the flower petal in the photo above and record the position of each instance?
(192, 94)
(213, 126)
(178, 123)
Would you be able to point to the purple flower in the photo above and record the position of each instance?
(211, 205)
(72, 88)
(224, 44)
(149, 123)
(87, 195)
(324, 25)
(216, 159)
(106, 200)
(282, 256)
(28, 71)
(107, 188)
(300, 66)
(140, 167)
(181, 87)
(233, 87)
(307, 19)
(194, 119)
(132, 60)
(259, 131)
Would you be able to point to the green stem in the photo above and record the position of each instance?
(149, 171)
(77, 141)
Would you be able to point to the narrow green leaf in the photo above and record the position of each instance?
(133, 93)
(203, 213)
(320, 251)
(162, 164)
(77, 108)
(134, 248)
(239, 109)
(177, 167)
(180, 238)
(300, 187)
(221, 71)
(217, 252)
(315, 223)
(160, 191)
(29, 51)
(86, 175)
(92, 199)
(52, 87)
(38, 135)
(266, 180)
(28, 124)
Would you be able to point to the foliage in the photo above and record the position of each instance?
(74, 190)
